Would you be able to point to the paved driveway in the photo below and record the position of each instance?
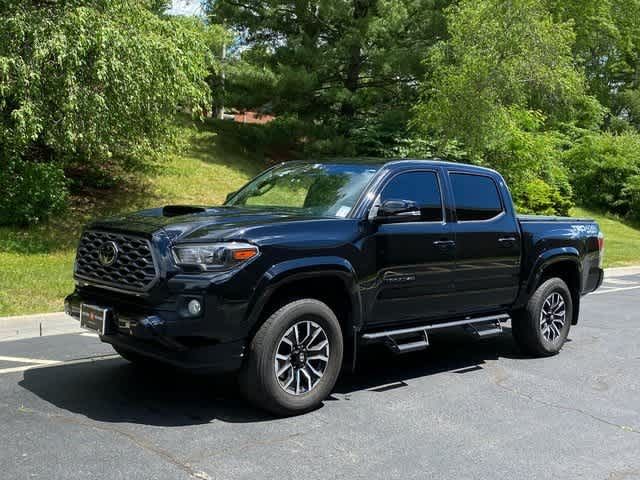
(464, 409)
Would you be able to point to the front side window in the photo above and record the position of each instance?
(476, 197)
(315, 189)
(419, 187)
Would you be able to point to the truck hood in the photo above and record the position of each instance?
(199, 223)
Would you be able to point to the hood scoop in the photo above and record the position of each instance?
(177, 210)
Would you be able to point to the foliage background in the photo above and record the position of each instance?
(545, 91)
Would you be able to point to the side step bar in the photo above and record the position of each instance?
(404, 340)
(435, 326)
(410, 346)
(485, 330)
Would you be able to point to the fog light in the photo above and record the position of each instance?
(194, 307)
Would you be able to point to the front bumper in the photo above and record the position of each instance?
(150, 334)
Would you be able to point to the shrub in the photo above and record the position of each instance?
(605, 171)
(530, 160)
(631, 192)
(30, 192)
(279, 140)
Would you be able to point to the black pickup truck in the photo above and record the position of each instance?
(308, 262)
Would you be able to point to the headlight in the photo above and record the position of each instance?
(215, 256)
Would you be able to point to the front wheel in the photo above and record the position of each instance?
(294, 359)
(541, 328)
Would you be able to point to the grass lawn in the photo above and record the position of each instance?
(36, 263)
(621, 240)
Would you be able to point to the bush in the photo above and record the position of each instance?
(536, 196)
(530, 161)
(605, 171)
(30, 192)
(279, 140)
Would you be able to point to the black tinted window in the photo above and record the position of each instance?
(476, 197)
(419, 187)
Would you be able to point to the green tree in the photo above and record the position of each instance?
(86, 86)
(347, 70)
(159, 7)
(607, 47)
(504, 88)
(606, 170)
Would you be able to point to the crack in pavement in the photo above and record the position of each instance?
(242, 447)
(254, 443)
(498, 378)
(135, 439)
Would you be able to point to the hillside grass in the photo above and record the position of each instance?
(622, 239)
(36, 263)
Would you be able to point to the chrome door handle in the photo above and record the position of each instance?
(444, 244)
(409, 213)
(506, 241)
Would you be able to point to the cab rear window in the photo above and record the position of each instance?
(476, 197)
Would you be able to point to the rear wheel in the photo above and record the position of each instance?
(294, 359)
(542, 327)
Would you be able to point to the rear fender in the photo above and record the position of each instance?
(544, 261)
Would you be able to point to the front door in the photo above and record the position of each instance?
(415, 256)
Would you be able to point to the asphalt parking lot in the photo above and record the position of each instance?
(70, 409)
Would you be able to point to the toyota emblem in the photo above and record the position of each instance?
(108, 254)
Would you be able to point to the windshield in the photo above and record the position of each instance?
(317, 189)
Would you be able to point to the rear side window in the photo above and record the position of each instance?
(419, 187)
(476, 197)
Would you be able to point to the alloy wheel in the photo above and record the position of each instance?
(302, 357)
(553, 317)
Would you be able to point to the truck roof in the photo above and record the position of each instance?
(392, 162)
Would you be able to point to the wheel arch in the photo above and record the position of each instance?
(563, 263)
(331, 280)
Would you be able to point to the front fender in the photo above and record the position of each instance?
(291, 270)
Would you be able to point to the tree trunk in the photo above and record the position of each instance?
(354, 60)
(218, 111)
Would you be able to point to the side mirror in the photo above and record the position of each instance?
(397, 211)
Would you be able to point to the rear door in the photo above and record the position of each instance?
(488, 243)
(414, 257)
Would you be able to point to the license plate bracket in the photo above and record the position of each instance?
(95, 318)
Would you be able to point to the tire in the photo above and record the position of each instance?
(270, 352)
(542, 334)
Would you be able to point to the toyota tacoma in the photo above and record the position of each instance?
(308, 262)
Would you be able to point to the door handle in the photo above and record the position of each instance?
(444, 244)
(506, 241)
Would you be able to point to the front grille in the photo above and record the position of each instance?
(133, 269)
